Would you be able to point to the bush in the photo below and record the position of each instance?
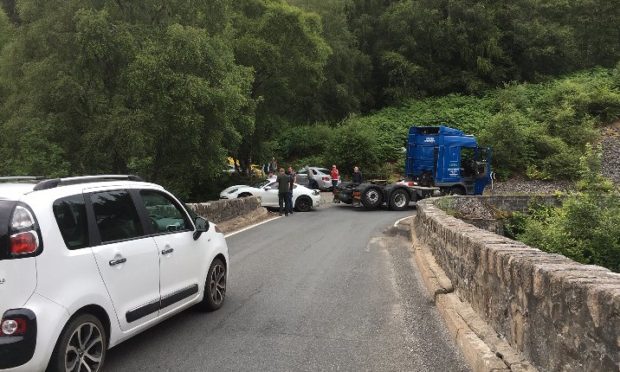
(585, 228)
(512, 148)
(303, 141)
(355, 144)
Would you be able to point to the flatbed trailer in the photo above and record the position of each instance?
(374, 194)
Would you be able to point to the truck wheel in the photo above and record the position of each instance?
(399, 200)
(372, 198)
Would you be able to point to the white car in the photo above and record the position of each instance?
(304, 199)
(317, 177)
(88, 262)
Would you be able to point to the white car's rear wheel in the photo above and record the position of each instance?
(82, 346)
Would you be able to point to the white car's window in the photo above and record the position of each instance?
(116, 216)
(324, 170)
(261, 184)
(70, 213)
(165, 216)
(314, 172)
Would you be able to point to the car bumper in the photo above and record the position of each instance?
(49, 319)
(18, 350)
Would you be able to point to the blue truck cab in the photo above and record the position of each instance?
(447, 158)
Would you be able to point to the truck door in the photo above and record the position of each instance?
(468, 168)
(482, 169)
(449, 170)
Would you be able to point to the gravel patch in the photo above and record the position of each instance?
(472, 208)
(611, 152)
(521, 186)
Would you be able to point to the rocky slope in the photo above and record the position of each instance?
(610, 141)
(611, 152)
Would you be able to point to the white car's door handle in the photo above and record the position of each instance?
(117, 261)
(167, 251)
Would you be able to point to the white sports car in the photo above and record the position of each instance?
(303, 198)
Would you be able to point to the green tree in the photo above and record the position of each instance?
(347, 70)
(122, 86)
(284, 47)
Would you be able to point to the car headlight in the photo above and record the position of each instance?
(233, 191)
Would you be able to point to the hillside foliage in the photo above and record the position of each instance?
(170, 89)
(585, 228)
(535, 130)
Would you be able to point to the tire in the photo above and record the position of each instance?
(82, 341)
(372, 198)
(303, 204)
(215, 286)
(457, 190)
(244, 195)
(399, 200)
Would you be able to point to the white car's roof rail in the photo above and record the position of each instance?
(21, 178)
(56, 182)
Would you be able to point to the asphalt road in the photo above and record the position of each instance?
(330, 290)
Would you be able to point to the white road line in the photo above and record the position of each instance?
(397, 222)
(251, 226)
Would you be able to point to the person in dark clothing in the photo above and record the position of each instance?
(283, 184)
(291, 185)
(357, 176)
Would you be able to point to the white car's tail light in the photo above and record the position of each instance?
(13, 327)
(24, 239)
(22, 219)
(24, 243)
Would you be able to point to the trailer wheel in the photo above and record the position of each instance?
(372, 198)
(399, 200)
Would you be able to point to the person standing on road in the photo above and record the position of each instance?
(335, 176)
(291, 185)
(357, 176)
(283, 183)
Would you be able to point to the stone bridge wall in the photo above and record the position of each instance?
(226, 209)
(562, 315)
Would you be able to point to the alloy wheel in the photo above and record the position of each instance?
(217, 284)
(85, 349)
